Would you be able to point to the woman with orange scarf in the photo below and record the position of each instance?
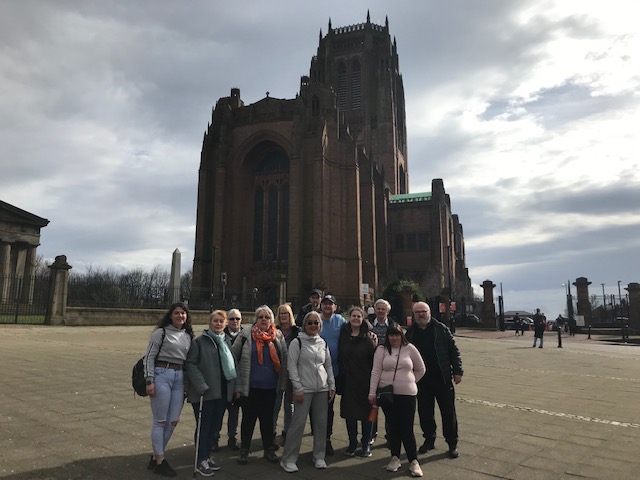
(261, 364)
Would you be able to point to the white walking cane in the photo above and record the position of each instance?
(195, 459)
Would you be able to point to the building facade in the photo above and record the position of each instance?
(19, 239)
(310, 192)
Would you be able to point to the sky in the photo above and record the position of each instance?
(527, 110)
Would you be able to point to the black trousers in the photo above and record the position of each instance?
(258, 405)
(400, 418)
(444, 394)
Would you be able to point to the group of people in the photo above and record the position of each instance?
(299, 364)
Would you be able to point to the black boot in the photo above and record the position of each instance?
(243, 458)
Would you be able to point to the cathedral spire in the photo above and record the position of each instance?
(329, 31)
(368, 17)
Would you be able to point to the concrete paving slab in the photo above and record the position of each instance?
(67, 412)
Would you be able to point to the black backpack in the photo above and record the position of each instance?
(138, 382)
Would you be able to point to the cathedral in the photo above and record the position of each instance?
(313, 191)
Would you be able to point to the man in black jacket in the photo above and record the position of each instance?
(435, 343)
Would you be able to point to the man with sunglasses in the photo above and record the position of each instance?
(438, 349)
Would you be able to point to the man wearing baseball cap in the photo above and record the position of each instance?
(314, 305)
(331, 325)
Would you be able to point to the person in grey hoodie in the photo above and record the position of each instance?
(311, 376)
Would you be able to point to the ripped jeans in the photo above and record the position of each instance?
(166, 406)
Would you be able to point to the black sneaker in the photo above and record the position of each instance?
(233, 444)
(215, 447)
(366, 450)
(329, 449)
(204, 469)
(164, 469)
(351, 450)
(271, 456)
(453, 452)
(152, 463)
(212, 464)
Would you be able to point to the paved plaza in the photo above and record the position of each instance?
(67, 411)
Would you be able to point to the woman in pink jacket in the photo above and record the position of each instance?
(398, 363)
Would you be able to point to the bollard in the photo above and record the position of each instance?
(559, 337)
(589, 332)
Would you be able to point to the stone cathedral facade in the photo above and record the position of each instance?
(313, 191)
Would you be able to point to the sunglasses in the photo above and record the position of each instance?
(234, 318)
(313, 323)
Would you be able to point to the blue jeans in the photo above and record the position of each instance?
(212, 413)
(535, 340)
(166, 406)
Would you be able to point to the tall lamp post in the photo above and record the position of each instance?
(603, 317)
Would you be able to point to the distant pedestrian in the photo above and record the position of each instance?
(539, 324)
(517, 322)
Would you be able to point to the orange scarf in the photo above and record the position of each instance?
(261, 337)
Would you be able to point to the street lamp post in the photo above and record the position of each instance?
(604, 305)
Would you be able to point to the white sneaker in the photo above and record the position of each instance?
(415, 469)
(394, 464)
(289, 467)
(320, 463)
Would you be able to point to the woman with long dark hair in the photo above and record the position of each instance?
(356, 349)
(163, 366)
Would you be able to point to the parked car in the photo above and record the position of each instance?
(469, 320)
(527, 323)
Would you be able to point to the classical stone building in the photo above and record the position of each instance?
(313, 191)
(19, 239)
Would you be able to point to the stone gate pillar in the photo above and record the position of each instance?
(488, 313)
(634, 307)
(58, 290)
(583, 303)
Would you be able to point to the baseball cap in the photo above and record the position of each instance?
(315, 291)
(329, 298)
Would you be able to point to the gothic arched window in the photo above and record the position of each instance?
(356, 84)
(342, 86)
(271, 203)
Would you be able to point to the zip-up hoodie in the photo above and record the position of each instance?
(309, 364)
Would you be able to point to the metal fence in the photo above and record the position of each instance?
(609, 308)
(107, 294)
(23, 300)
